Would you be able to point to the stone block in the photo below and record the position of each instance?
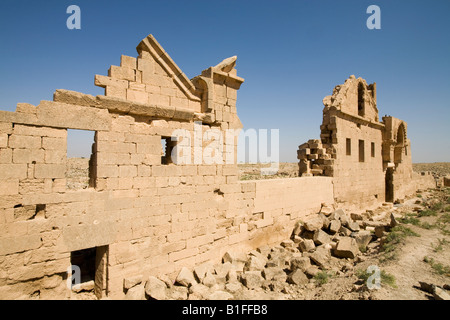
(252, 279)
(156, 289)
(54, 171)
(347, 248)
(321, 237)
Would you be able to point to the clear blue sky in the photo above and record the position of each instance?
(291, 54)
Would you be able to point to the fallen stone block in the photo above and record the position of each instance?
(254, 264)
(321, 237)
(186, 277)
(313, 223)
(155, 288)
(363, 238)
(136, 293)
(233, 287)
(299, 262)
(209, 280)
(130, 282)
(201, 270)
(222, 269)
(199, 290)
(237, 259)
(356, 216)
(220, 295)
(177, 293)
(380, 231)
(326, 210)
(252, 279)
(353, 226)
(307, 245)
(297, 277)
(346, 248)
(274, 274)
(441, 294)
(335, 226)
(344, 231)
(321, 256)
(312, 271)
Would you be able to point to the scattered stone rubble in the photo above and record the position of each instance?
(328, 241)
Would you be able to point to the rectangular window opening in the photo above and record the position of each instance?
(91, 266)
(167, 146)
(81, 159)
(348, 147)
(361, 150)
(372, 149)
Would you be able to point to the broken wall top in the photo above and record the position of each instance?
(355, 97)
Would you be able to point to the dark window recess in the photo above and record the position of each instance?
(167, 146)
(372, 149)
(348, 147)
(361, 150)
(85, 260)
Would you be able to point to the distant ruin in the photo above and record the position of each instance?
(143, 214)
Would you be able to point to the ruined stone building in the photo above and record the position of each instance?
(369, 160)
(145, 213)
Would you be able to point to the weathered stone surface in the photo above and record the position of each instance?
(222, 269)
(441, 294)
(307, 245)
(220, 295)
(177, 293)
(185, 277)
(274, 273)
(252, 279)
(297, 277)
(321, 256)
(301, 263)
(321, 237)
(313, 223)
(155, 288)
(200, 290)
(233, 287)
(353, 226)
(136, 293)
(209, 280)
(130, 282)
(363, 238)
(254, 264)
(201, 270)
(335, 225)
(346, 248)
(237, 259)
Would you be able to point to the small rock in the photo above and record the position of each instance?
(264, 250)
(155, 288)
(346, 248)
(130, 282)
(312, 271)
(209, 280)
(345, 232)
(440, 294)
(321, 256)
(201, 270)
(297, 277)
(326, 210)
(321, 237)
(232, 276)
(237, 259)
(313, 223)
(252, 279)
(380, 231)
(335, 225)
(353, 226)
(393, 222)
(356, 216)
(274, 273)
(307, 245)
(178, 293)
(233, 287)
(136, 293)
(199, 290)
(287, 243)
(301, 263)
(254, 264)
(84, 286)
(220, 295)
(222, 269)
(363, 238)
(185, 277)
